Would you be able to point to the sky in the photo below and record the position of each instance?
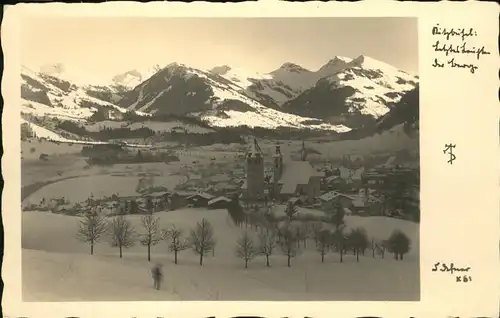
(109, 46)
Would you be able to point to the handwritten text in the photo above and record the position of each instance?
(454, 44)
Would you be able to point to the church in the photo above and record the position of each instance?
(289, 178)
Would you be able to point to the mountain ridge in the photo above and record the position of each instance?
(341, 95)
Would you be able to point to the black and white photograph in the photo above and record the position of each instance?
(220, 159)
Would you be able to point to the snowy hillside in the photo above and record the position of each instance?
(44, 94)
(242, 78)
(132, 78)
(357, 93)
(63, 262)
(181, 90)
(44, 133)
(375, 83)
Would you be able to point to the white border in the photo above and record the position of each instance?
(460, 203)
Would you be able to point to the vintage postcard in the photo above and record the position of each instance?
(280, 159)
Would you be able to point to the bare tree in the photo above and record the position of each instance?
(337, 216)
(316, 229)
(122, 233)
(340, 241)
(359, 241)
(374, 247)
(202, 239)
(176, 244)
(303, 233)
(245, 248)
(290, 211)
(152, 235)
(399, 244)
(323, 243)
(91, 228)
(288, 244)
(267, 244)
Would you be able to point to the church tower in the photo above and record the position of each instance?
(277, 164)
(303, 152)
(255, 172)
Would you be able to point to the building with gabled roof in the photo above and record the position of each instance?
(221, 202)
(289, 178)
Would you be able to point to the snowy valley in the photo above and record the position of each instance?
(333, 154)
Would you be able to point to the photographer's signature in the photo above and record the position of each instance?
(462, 273)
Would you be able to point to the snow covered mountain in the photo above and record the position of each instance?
(342, 95)
(356, 93)
(181, 90)
(51, 95)
(344, 91)
(132, 78)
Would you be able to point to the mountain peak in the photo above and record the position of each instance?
(292, 67)
(221, 69)
(339, 60)
(335, 63)
(371, 63)
(52, 69)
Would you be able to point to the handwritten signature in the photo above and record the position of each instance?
(449, 268)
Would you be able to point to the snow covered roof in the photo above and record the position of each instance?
(65, 207)
(329, 196)
(295, 173)
(332, 178)
(159, 193)
(294, 200)
(204, 195)
(333, 194)
(218, 199)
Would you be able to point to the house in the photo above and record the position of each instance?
(200, 199)
(330, 200)
(159, 197)
(178, 200)
(221, 202)
(374, 178)
(297, 201)
(68, 209)
(332, 182)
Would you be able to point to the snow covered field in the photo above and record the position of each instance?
(389, 141)
(80, 189)
(52, 256)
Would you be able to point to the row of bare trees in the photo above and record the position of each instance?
(93, 228)
(288, 237)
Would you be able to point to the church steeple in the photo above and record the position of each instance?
(255, 171)
(303, 152)
(278, 163)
